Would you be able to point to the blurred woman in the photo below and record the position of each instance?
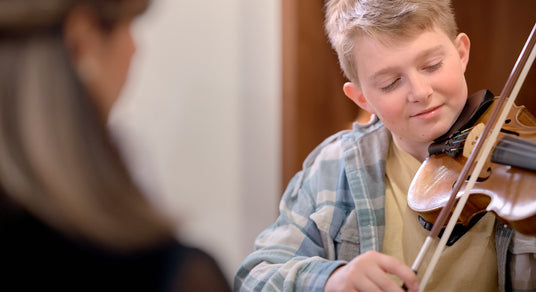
(71, 217)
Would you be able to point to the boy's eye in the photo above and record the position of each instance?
(434, 66)
(390, 86)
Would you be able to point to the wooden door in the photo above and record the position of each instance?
(314, 105)
(498, 30)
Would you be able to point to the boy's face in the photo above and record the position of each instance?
(416, 87)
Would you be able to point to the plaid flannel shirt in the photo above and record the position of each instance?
(332, 211)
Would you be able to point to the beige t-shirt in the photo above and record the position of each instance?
(470, 264)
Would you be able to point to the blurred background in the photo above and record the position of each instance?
(226, 98)
(201, 112)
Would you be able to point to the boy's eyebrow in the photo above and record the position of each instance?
(421, 55)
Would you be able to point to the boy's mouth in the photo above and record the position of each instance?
(428, 113)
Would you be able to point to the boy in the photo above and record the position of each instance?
(344, 223)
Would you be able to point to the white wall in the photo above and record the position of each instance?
(200, 118)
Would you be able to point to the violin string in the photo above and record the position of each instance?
(515, 151)
(485, 152)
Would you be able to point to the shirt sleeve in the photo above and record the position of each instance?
(522, 264)
(293, 253)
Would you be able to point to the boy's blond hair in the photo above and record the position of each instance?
(382, 20)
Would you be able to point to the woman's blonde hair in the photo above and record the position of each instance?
(57, 160)
(382, 20)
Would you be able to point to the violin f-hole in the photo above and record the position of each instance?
(484, 176)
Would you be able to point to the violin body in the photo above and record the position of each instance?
(506, 190)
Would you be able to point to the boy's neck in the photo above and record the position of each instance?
(419, 150)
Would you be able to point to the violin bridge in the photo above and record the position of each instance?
(472, 139)
(470, 143)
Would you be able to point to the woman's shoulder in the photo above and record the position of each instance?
(32, 249)
(197, 270)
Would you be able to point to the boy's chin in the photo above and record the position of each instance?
(442, 130)
(435, 135)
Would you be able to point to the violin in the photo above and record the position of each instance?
(507, 184)
(503, 186)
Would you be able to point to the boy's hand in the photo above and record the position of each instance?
(368, 273)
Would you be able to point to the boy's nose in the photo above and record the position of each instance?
(420, 88)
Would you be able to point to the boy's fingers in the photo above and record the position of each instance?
(397, 268)
(368, 285)
(384, 282)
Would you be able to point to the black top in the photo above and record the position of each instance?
(35, 257)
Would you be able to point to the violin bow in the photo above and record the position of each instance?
(484, 142)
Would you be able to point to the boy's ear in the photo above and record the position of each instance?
(463, 46)
(353, 92)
